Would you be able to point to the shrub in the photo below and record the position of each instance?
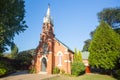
(32, 70)
(5, 68)
(118, 74)
(62, 71)
(77, 68)
(56, 70)
(23, 60)
(3, 71)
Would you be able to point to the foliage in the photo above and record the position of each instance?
(8, 55)
(104, 47)
(14, 50)
(56, 70)
(62, 71)
(77, 68)
(3, 71)
(86, 45)
(5, 67)
(23, 60)
(11, 21)
(117, 30)
(111, 16)
(118, 74)
(77, 56)
(32, 70)
(31, 51)
(87, 42)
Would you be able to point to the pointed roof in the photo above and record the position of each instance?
(47, 18)
(64, 44)
(48, 11)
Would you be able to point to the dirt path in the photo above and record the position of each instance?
(26, 76)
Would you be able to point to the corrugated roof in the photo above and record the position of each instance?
(85, 55)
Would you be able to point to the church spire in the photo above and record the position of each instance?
(48, 11)
(47, 18)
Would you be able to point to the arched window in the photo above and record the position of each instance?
(59, 54)
(45, 48)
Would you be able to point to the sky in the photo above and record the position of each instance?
(73, 21)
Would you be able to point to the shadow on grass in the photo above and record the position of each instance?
(111, 73)
(15, 73)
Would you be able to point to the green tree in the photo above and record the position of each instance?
(77, 56)
(12, 22)
(14, 50)
(105, 47)
(24, 59)
(86, 45)
(77, 66)
(111, 16)
(87, 42)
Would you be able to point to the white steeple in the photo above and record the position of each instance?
(47, 18)
(48, 11)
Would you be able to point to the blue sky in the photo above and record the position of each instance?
(73, 21)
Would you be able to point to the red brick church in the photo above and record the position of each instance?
(51, 52)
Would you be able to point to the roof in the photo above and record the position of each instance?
(64, 45)
(47, 18)
(85, 54)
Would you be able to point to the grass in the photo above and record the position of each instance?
(90, 76)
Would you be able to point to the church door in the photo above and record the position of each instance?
(44, 65)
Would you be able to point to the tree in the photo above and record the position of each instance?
(117, 30)
(111, 16)
(77, 67)
(104, 48)
(87, 42)
(77, 56)
(24, 59)
(86, 45)
(12, 22)
(14, 50)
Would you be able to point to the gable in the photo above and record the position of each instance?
(62, 44)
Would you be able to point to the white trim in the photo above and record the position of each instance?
(49, 39)
(43, 56)
(50, 51)
(59, 55)
(67, 61)
(59, 52)
(42, 72)
(59, 65)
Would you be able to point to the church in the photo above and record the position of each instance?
(51, 52)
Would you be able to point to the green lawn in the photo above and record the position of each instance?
(83, 77)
